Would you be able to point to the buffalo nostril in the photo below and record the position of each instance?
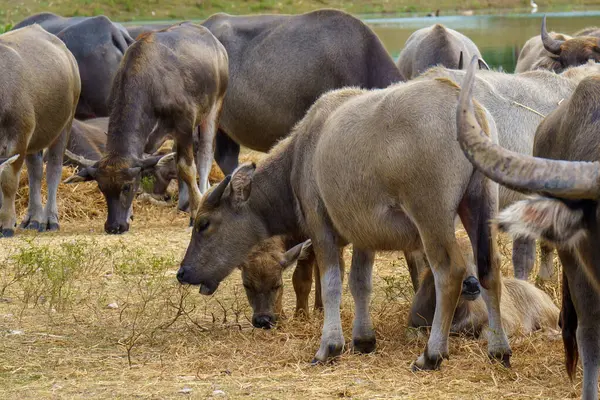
(262, 321)
(180, 275)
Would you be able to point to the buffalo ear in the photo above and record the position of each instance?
(214, 196)
(241, 181)
(84, 175)
(165, 160)
(461, 61)
(298, 252)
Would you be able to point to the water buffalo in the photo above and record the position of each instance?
(262, 274)
(525, 308)
(98, 45)
(556, 52)
(271, 56)
(172, 80)
(40, 90)
(518, 103)
(353, 171)
(565, 210)
(435, 45)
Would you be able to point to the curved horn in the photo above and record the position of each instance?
(79, 160)
(214, 197)
(564, 179)
(550, 44)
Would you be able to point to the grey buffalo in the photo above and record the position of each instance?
(362, 167)
(33, 60)
(518, 103)
(564, 212)
(436, 45)
(98, 46)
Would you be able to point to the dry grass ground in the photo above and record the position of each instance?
(87, 315)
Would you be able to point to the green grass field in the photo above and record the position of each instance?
(130, 10)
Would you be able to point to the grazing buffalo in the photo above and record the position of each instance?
(565, 210)
(40, 89)
(171, 80)
(435, 45)
(556, 52)
(98, 45)
(262, 274)
(353, 170)
(525, 308)
(518, 103)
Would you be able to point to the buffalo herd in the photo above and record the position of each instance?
(361, 151)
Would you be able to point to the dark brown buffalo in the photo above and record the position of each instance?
(565, 211)
(172, 80)
(556, 52)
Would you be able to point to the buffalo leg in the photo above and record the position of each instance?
(523, 257)
(227, 153)
(361, 286)
(186, 171)
(586, 301)
(35, 211)
(332, 338)
(318, 297)
(476, 209)
(53, 175)
(416, 263)
(9, 180)
(183, 197)
(448, 267)
(206, 140)
(302, 280)
(547, 261)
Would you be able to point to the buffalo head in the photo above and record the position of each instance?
(571, 52)
(118, 179)
(262, 276)
(225, 229)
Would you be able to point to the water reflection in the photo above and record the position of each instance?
(499, 37)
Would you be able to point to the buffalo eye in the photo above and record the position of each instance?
(202, 225)
(126, 188)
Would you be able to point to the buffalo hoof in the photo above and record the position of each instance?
(427, 363)
(51, 227)
(502, 358)
(30, 225)
(332, 352)
(6, 233)
(364, 346)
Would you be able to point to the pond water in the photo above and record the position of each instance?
(499, 37)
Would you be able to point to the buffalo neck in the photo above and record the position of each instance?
(131, 122)
(272, 196)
